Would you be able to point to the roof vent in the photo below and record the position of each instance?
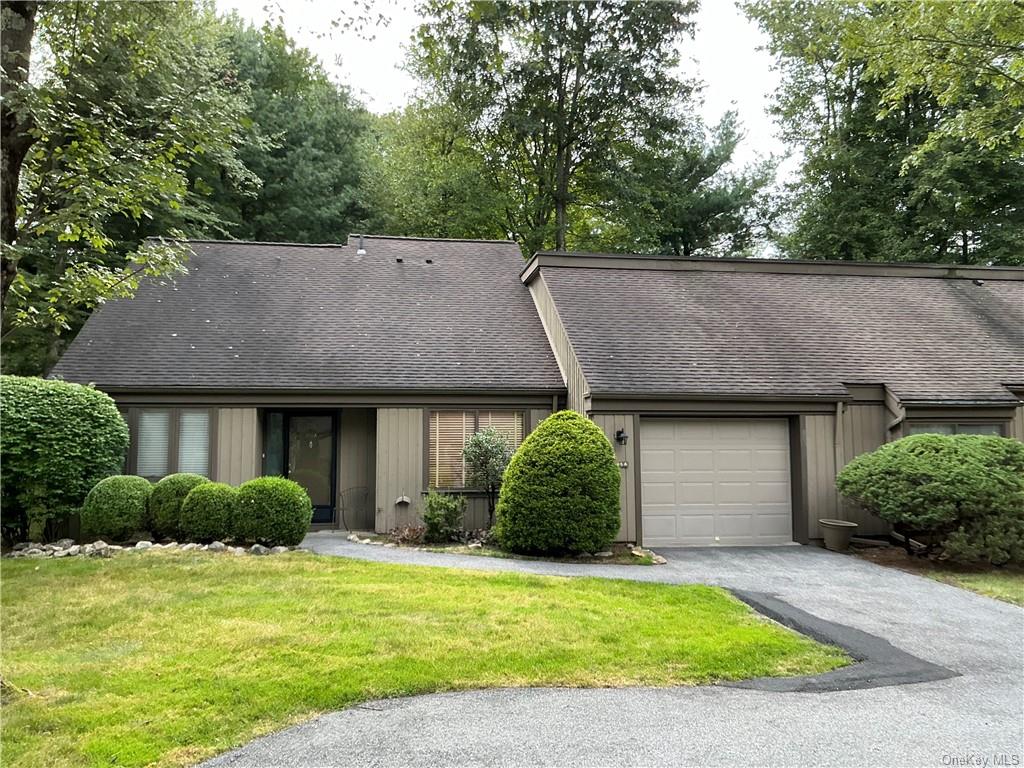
(361, 251)
(430, 261)
(979, 282)
(398, 260)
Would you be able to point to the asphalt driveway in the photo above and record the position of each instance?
(975, 718)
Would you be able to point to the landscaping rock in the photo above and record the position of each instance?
(217, 546)
(258, 549)
(659, 560)
(64, 543)
(23, 545)
(278, 550)
(353, 537)
(237, 550)
(143, 544)
(138, 536)
(99, 544)
(190, 546)
(34, 552)
(606, 553)
(475, 545)
(171, 545)
(74, 550)
(391, 544)
(60, 553)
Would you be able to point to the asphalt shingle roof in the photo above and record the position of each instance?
(294, 317)
(662, 331)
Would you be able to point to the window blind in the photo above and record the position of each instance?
(449, 431)
(194, 442)
(154, 437)
(508, 423)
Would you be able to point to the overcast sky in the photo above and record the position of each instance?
(724, 55)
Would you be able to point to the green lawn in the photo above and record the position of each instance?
(1005, 585)
(169, 657)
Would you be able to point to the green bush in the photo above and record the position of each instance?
(442, 516)
(165, 503)
(209, 513)
(561, 490)
(116, 508)
(273, 511)
(59, 440)
(966, 491)
(487, 454)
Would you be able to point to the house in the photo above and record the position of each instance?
(732, 390)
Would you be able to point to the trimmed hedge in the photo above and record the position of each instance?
(165, 503)
(209, 513)
(116, 507)
(560, 493)
(967, 491)
(273, 511)
(59, 440)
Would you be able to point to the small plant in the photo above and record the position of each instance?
(116, 507)
(209, 513)
(273, 511)
(442, 517)
(561, 490)
(487, 454)
(965, 492)
(59, 440)
(165, 503)
(407, 534)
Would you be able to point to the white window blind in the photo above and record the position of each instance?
(449, 431)
(194, 442)
(154, 437)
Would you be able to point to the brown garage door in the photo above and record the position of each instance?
(715, 482)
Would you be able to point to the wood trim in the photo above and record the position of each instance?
(712, 408)
(638, 482)
(327, 400)
(798, 494)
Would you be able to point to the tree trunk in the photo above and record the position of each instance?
(19, 21)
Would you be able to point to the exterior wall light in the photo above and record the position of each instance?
(621, 437)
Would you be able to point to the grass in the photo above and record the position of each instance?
(1006, 583)
(168, 658)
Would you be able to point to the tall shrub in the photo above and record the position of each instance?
(487, 454)
(561, 490)
(966, 491)
(58, 440)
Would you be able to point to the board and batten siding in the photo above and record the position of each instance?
(863, 429)
(357, 462)
(1017, 423)
(238, 452)
(568, 364)
(610, 423)
(818, 453)
(399, 462)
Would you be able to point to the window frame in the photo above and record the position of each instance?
(956, 424)
(173, 437)
(428, 414)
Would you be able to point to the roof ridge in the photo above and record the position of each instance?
(434, 239)
(251, 242)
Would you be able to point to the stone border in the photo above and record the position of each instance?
(878, 662)
(68, 548)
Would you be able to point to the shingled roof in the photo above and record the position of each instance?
(649, 326)
(409, 315)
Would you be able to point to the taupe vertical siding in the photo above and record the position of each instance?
(610, 424)
(237, 450)
(1017, 425)
(863, 429)
(357, 461)
(537, 415)
(399, 465)
(568, 364)
(817, 442)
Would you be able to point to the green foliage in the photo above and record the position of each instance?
(487, 454)
(968, 490)
(209, 513)
(165, 503)
(116, 508)
(561, 490)
(442, 516)
(900, 159)
(59, 440)
(273, 511)
(548, 91)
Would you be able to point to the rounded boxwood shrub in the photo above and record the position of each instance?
(59, 440)
(273, 511)
(116, 507)
(209, 513)
(966, 491)
(165, 503)
(560, 493)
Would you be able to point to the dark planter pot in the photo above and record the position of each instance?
(837, 534)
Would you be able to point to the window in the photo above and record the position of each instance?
(153, 440)
(194, 442)
(172, 440)
(449, 431)
(953, 428)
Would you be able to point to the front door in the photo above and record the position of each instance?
(302, 447)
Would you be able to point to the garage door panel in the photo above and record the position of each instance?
(715, 481)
